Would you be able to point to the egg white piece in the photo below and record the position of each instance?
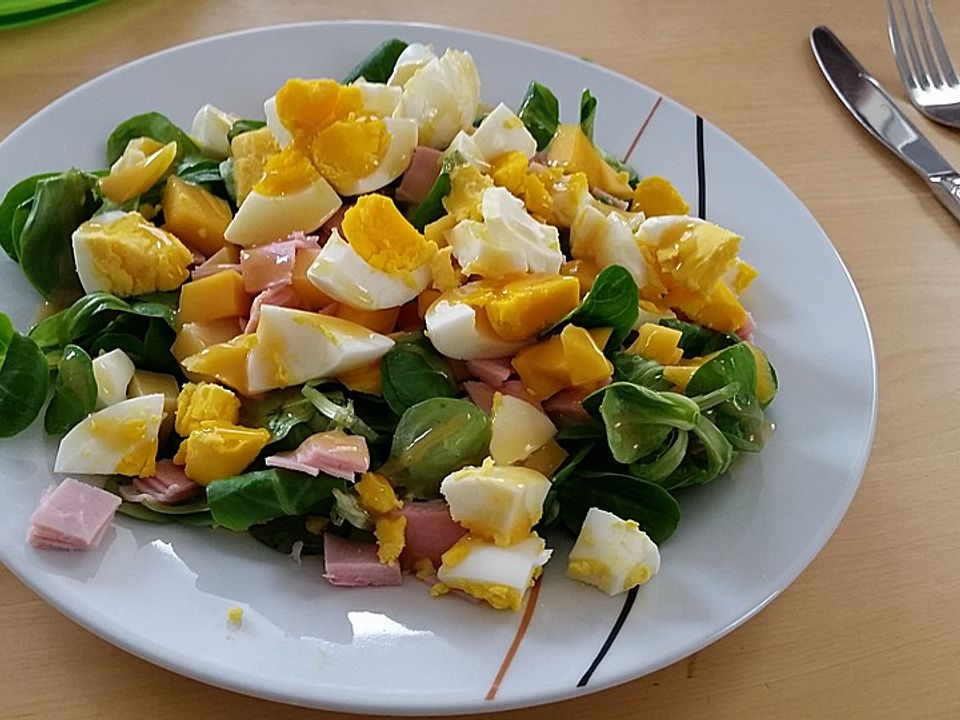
(210, 128)
(499, 503)
(609, 239)
(395, 161)
(463, 143)
(652, 229)
(613, 554)
(342, 274)
(265, 218)
(443, 97)
(413, 57)
(113, 372)
(294, 346)
(502, 131)
(379, 98)
(508, 241)
(517, 429)
(488, 565)
(453, 330)
(108, 440)
(277, 128)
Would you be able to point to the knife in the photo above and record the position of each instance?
(877, 112)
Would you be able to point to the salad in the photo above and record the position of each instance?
(387, 323)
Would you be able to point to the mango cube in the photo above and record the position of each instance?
(585, 361)
(313, 297)
(225, 362)
(213, 298)
(543, 368)
(380, 321)
(547, 459)
(526, 306)
(194, 337)
(657, 342)
(195, 216)
(655, 196)
(572, 148)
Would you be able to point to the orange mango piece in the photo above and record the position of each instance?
(528, 305)
(380, 321)
(213, 298)
(585, 361)
(194, 215)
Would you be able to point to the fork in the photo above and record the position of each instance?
(927, 72)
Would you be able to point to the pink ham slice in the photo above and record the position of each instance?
(493, 372)
(749, 328)
(566, 405)
(282, 295)
(430, 532)
(420, 176)
(73, 516)
(269, 265)
(481, 394)
(170, 485)
(349, 563)
(212, 268)
(333, 452)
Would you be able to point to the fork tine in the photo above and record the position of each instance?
(923, 38)
(920, 72)
(950, 75)
(899, 51)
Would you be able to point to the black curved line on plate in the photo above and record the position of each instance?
(701, 173)
(614, 631)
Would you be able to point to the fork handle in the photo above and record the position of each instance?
(946, 188)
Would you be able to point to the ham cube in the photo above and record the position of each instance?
(430, 532)
(73, 516)
(420, 176)
(349, 563)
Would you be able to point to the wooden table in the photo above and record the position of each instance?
(872, 628)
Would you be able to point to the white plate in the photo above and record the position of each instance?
(162, 592)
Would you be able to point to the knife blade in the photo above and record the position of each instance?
(873, 108)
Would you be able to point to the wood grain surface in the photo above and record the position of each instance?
(872, 627)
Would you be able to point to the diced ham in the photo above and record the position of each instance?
(302, 240)
(420, 176)
(349, 563)
(198, 258)
(170, 485)
(481, 394)
(605, 197)
(494, 372)
(517, 389)
(566, 404)
(429, 533)
(212, 268)
(73, 516)
(748, 329)
(282, 295)
(267, 266)
(333, 452)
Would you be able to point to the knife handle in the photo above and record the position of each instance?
(946, 188)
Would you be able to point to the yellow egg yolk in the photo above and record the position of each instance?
(217, 450)
(306, 107)
(382, 236)
(205, 401)
(129, 435)
(376, 494)
(466, 193)
(286, 172)
(132, 256)
(347, 150)
(390, 531)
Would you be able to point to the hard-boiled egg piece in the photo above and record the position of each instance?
(612, 554)
(499, 575)
(294, 346)
(495, 502)
(201, 402)
(210, 128)
(518, 429)
(413, 57)
(609, 239)
(379, 98)
(502, 131)
(292, 196)
(382, 262)
(283, 136)
(461, 331)
(387, 163)
(120, 439)
(143, 162)
(124, 254)
(113, 372)
(442, 96)
(507, 241)
(463, 144)
(342, 274)
(216, 449)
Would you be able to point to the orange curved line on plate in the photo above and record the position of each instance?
(517, 639)
(643, 127)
